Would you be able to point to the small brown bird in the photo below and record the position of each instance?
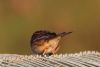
(45, 42)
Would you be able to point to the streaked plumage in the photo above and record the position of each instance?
(45, 42)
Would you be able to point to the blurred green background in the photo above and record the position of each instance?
(20, 18)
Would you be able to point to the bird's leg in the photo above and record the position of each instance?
(44, 52)
(55, 50)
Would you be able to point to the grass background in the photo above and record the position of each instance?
(20, 18)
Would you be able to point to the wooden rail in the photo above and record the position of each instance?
(82, 59)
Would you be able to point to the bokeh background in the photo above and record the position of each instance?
(20, 18)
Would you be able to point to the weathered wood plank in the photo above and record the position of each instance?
(82, 59)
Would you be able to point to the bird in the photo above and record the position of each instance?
(45, 42)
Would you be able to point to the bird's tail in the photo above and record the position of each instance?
(64, 34)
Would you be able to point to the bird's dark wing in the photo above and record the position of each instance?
(39, 35)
